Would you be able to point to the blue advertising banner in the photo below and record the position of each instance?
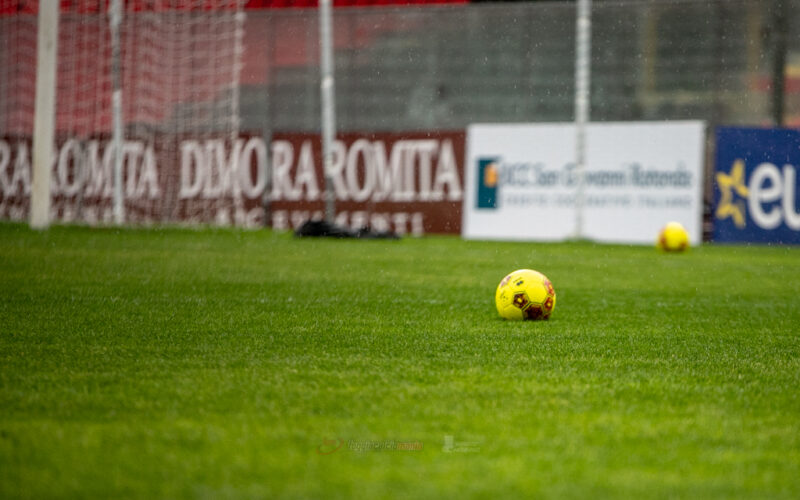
(756, 186)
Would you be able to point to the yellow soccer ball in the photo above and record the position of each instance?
(673, 238)
(525, 294)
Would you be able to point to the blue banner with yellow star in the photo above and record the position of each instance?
(756, 185)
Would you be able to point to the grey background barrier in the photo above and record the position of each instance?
(445, 67)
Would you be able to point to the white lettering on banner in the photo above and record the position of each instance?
(412, 170)
(71, 150)
(282, 157)
(149, 180)
(790, 212)
(402, 171)
(363, 148)
(241, 217)
(425, 149)
(191, 169)
(77, 168)
(253, 188)
(389, 172)
(383, 175)
(280, 220)
(22, 169)
(306, 176)
(335, 170)
(139, 163)
(209, 170)
(398, 222)
(130, 157)
(766, 186)
(18, 182)
(100, 181)
(765, 173)
(220, 168)
(365, 171)
(93, 214)
(447, 175)
(12, 211)
(5, 159)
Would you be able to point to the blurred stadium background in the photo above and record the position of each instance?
(228, 67)
(445, 67)
(479, 62)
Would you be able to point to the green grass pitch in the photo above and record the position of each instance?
(232, 364)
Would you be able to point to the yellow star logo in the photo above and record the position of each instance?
(728, 184)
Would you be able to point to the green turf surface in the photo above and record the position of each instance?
(223, 364)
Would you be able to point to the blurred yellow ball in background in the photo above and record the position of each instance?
(673, 238)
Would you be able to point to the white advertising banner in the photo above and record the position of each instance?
(521, 181)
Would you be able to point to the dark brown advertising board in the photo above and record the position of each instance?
(410, 183)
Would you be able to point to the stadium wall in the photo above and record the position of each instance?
(447, 67)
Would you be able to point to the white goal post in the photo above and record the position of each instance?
(44, 120)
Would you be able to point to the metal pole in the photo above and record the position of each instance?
(779, 15)
(117, 137)
(44, 118)
(328, 104)
(583, 50)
